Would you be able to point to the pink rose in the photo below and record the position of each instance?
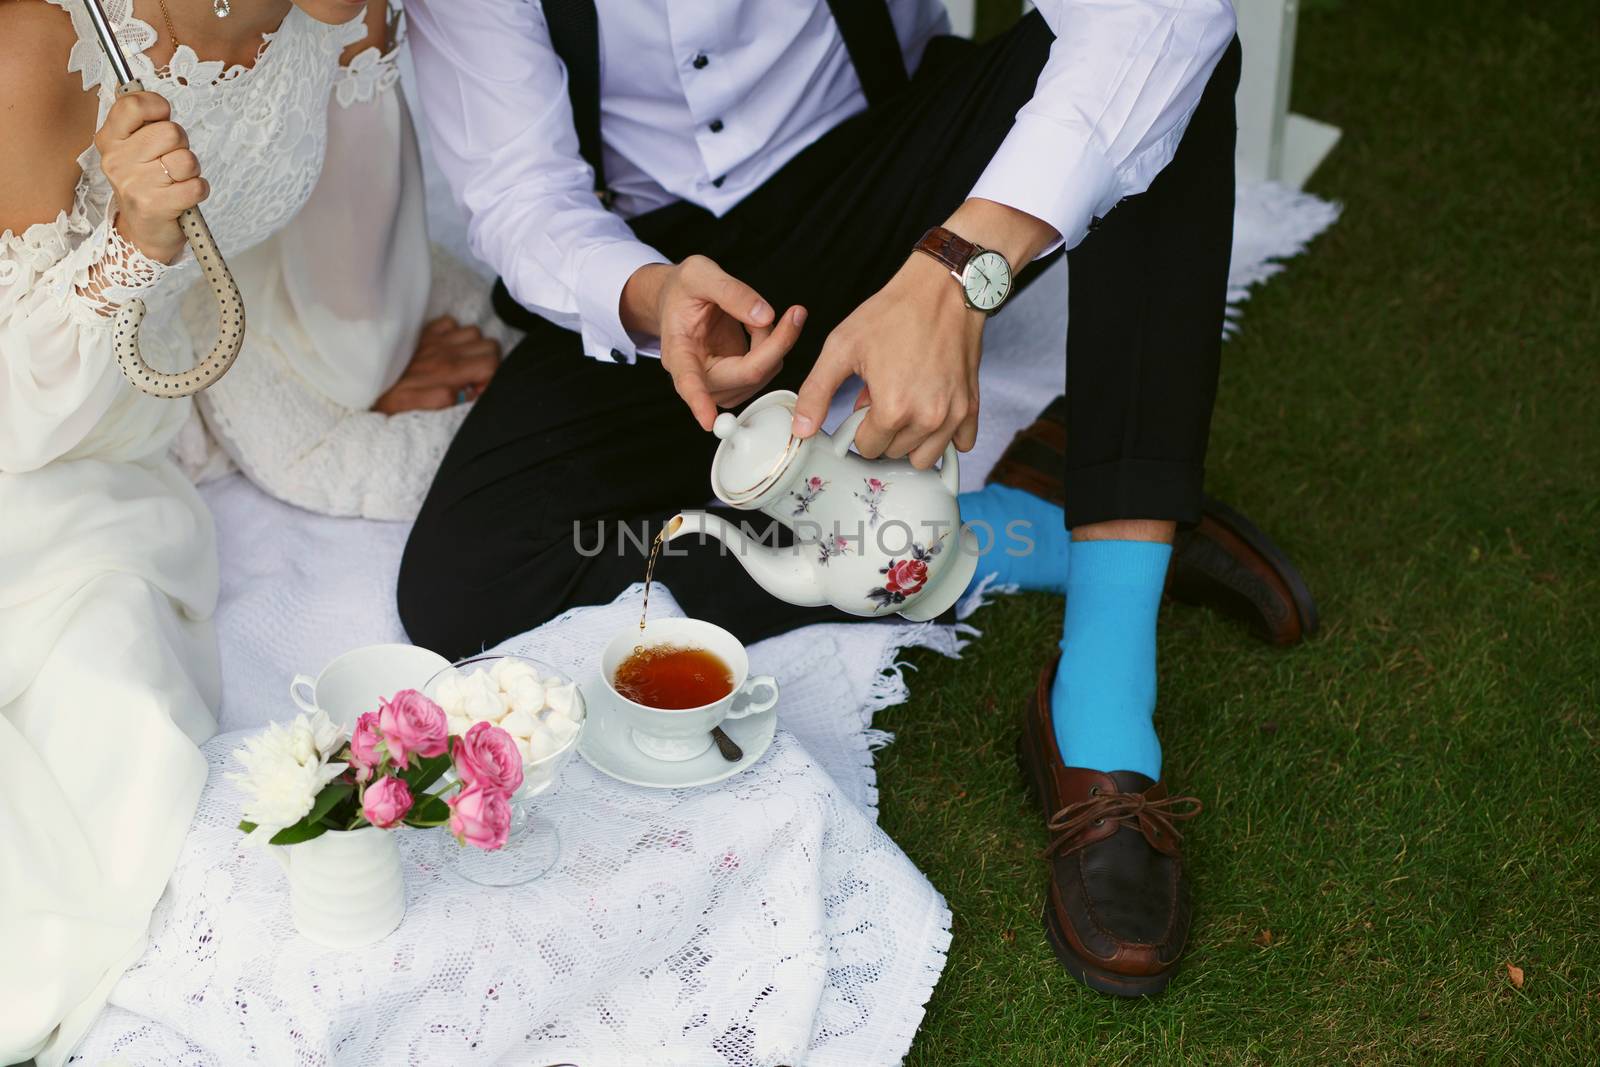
(814, 483)
(874, 485)
(386, 802)
(364, 742)
(480, 817)
(486, 756)
(413, 725)
(906, 577)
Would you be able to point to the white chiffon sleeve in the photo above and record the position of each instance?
(335, 303)
(60, 283)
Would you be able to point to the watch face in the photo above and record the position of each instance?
(987, 280)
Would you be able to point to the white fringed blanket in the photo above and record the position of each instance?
(763, 921)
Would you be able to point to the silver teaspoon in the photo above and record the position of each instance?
(725, 745)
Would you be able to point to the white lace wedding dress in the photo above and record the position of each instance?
(108, 571)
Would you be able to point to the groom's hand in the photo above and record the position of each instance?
(917, 344)
(719, 341)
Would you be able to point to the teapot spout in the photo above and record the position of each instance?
(787, 573)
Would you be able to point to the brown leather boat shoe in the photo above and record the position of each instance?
(1225, 562)
(1117, 911)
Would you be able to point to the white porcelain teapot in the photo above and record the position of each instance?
(872, 537)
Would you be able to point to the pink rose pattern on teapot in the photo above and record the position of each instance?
(904, 577)
(809, 490)
(873, 498)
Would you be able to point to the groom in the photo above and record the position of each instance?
(782, 194)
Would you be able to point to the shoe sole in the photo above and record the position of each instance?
(1095, 977)
(1305, 605)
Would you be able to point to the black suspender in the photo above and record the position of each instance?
(575, 36)
(874, 49)
(868, 34)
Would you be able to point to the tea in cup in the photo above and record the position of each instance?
(676, 680)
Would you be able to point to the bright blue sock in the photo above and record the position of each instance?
(1104, 698)
(1025, 538)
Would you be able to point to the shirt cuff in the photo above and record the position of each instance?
(600, 280)
(1054, 172)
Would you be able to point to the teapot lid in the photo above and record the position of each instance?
(756, 450)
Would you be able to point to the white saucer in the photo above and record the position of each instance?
(608, 748)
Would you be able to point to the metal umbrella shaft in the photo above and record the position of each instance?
(230, 306)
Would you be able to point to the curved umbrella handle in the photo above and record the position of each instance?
(230, 310)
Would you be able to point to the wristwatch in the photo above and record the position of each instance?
(983, 274)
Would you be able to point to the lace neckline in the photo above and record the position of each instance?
(185, 68)
(184, 71)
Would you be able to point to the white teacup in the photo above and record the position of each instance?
(352, 685)
(676, 735)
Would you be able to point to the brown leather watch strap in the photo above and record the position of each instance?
(947, 248)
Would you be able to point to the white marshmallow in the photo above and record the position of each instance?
(482, 699)
(524, 749)
(448, 692)
(541, 742)
(460, 723)
(519, 724)
(563, 700)
(562, 727)
(506, 672)
(526, 694)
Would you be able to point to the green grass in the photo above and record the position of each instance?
(1409, 801)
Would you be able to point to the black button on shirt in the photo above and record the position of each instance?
(700, 61)
(716, 126)
(718, 181)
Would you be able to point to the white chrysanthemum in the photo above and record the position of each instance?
(285, 767)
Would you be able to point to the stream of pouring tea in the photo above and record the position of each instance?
(650, 569)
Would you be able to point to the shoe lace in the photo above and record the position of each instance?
(1153, 818)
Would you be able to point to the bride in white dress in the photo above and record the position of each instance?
(340, 401)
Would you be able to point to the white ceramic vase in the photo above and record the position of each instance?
(345, 887)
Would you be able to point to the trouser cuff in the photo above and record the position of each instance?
(1134, 489)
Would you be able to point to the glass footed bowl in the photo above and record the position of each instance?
(533, 845)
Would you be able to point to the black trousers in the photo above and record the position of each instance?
(560, 448)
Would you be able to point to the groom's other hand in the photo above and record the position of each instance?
(453, 363)
(719, 340)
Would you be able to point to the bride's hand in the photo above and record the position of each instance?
(453, 363)
(146, 158)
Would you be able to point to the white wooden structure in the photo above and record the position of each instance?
(1274, 143)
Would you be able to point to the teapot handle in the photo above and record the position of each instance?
(845, 436)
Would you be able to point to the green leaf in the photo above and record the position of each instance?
(424, 772)
(246, 825)
(331, 794)
(300, 831)
(428, 810)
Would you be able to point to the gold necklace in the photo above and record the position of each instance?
(171, 32)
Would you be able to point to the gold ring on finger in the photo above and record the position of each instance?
(163, 165)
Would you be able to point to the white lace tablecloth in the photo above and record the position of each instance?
(765, 920)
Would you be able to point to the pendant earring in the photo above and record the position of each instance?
(221, 8)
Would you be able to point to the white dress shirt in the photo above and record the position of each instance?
(703, 100)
